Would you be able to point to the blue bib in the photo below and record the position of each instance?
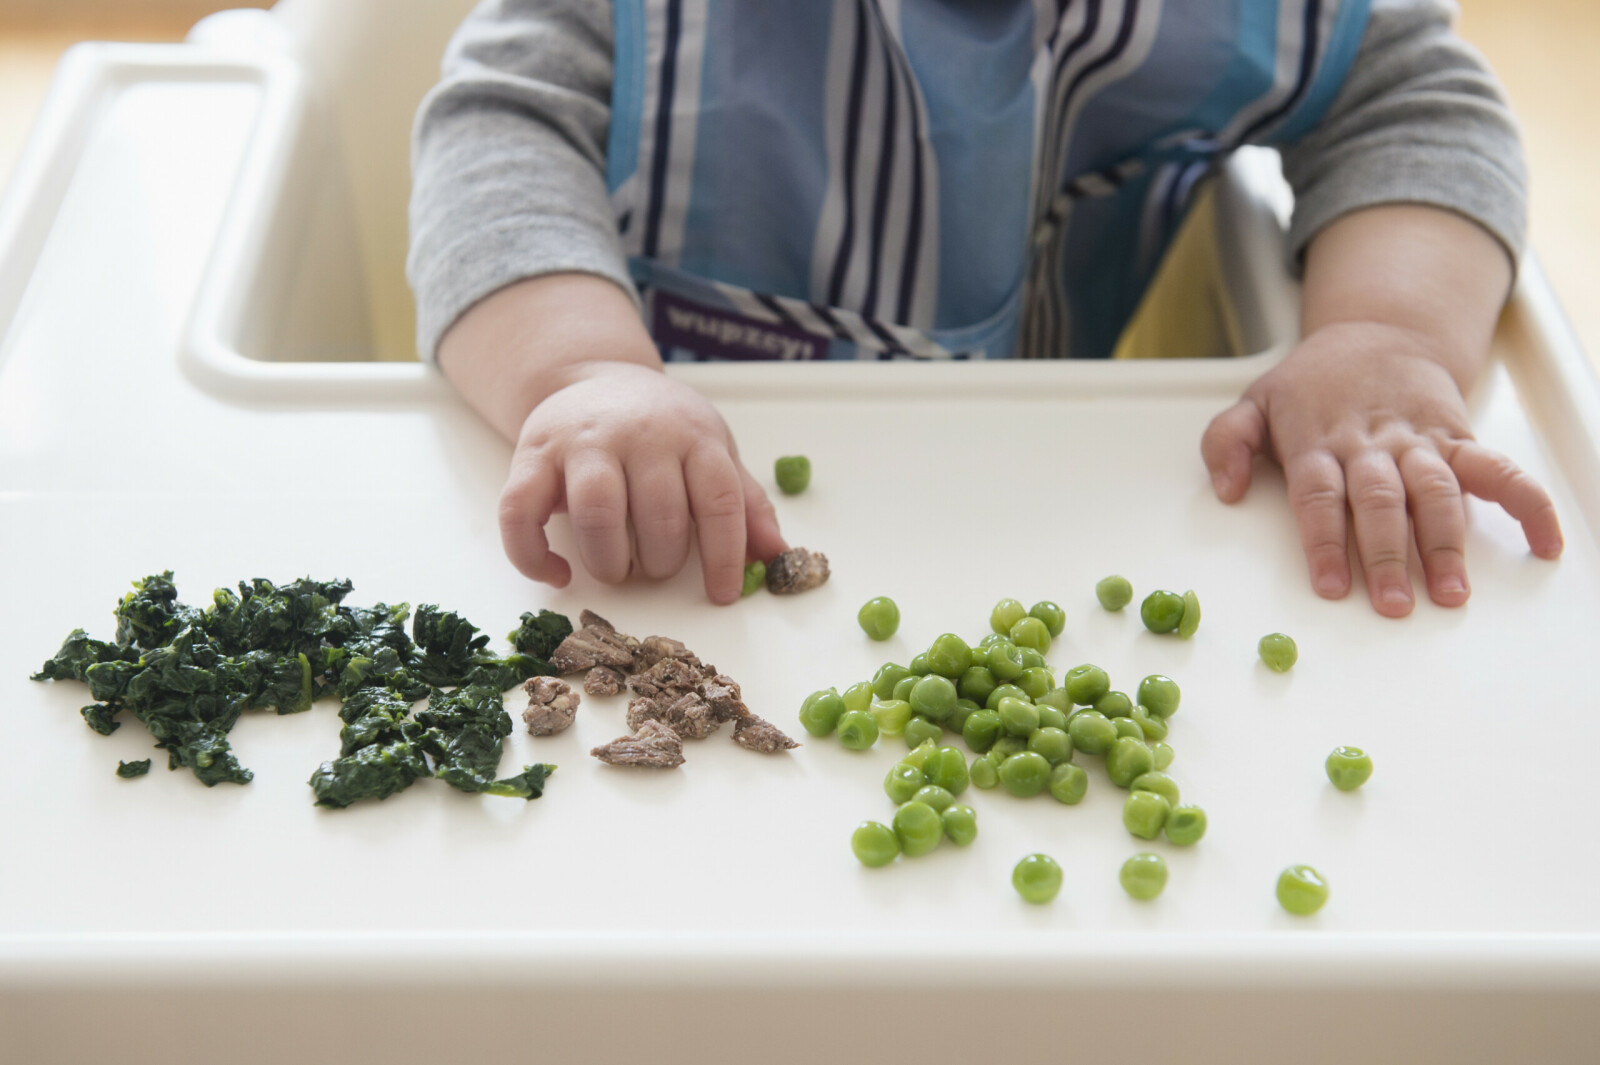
(799, 179)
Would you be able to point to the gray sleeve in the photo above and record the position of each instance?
(1420, 119)
(508, 159)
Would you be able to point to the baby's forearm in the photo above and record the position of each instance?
(514, 348)
(1431, 272)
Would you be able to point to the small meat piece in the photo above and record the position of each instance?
(796, 570)
(689, 715)
(592, 645)
(760, 735)
(604, 680)
(589, 619)
(653, 745)
(552, 704)
(722, 692)
(653, 649)
(670, 676)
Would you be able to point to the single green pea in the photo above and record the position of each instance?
(960, 824)
(919, 665)
(1160, 695)
(1162, 755)
(1006, 613)
(903, 781)
(976, 684)
(1003, 691)
(1158, 782)
(892, 715)
(886, 678)
(1054, 618)
(874, 844)
(920, 730)
(1114, 592)
(949, 655)
(903, 686)
(984, 772)
(857, 730)
(946, 767)
(1050, 717)
(793, 474)
(1031, 632)
(1161, 611)
(1144, 876)
(1086, 683)
(918, 828)
(1144, 813)
(857, 696)
(1127, 759)
(1302, 890)
(1114, 704)
(1018, 717)
(1092, 732)
(919, 755)
(1348, 767)
(1278, 651)
(1053, 743)
(957, 721)
(1006, 746)
(879, 617)
(1127, 726)
(982, 729)
(755, 575)
(934, 796)
(1189, 623)
(934, 697)
(1031, 659)
(821, 711)
(1037, 878)
(1036, 681)
(1186, 824)
(1068, 783)
(1150, 726)
(1004, 660)
(1025, 774)
(988, 640)
(1055, 697)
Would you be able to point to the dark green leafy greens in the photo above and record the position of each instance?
(188, 674)
(128, 770)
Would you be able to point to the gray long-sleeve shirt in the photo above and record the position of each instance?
(508, 154)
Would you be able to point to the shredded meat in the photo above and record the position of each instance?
(653, 649)
(722, 692)
(604, 680)
(796, 570)
(653, 744)
(552, 704)
(688, 715)
(760, 735)
(596, 643)
(669, 676)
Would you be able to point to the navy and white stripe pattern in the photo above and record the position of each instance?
(658, 197)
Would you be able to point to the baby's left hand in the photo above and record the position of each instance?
(1366, 423)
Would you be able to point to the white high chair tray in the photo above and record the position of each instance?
(715, 911)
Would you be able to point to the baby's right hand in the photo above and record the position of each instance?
(640, 462)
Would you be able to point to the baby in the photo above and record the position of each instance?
(598, 185)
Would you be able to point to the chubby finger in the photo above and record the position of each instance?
(1316, 498)
(1382, 528)
(597, 502)
(1490, 475)
(716, 499)
(1439, 523)
(1229, 445)
(763, 539)
(531, 494)
(658, 506)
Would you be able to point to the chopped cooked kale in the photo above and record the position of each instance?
(189, 674)
(128, 770)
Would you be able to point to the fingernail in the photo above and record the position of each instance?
(1452, 585)
(1330, 584)
(1221, 483)
(1395, 595)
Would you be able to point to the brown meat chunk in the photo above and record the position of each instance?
(552, 704)
(722, 692)
(653, 745)
(690, 716)
(654, 649)
(592, 645)
(604, 680)
(669, 676)
(796, 570)
(589, 619)
(760, 735)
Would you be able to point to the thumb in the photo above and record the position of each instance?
(1230, 444)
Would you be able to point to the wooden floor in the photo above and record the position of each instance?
(1542, 50)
